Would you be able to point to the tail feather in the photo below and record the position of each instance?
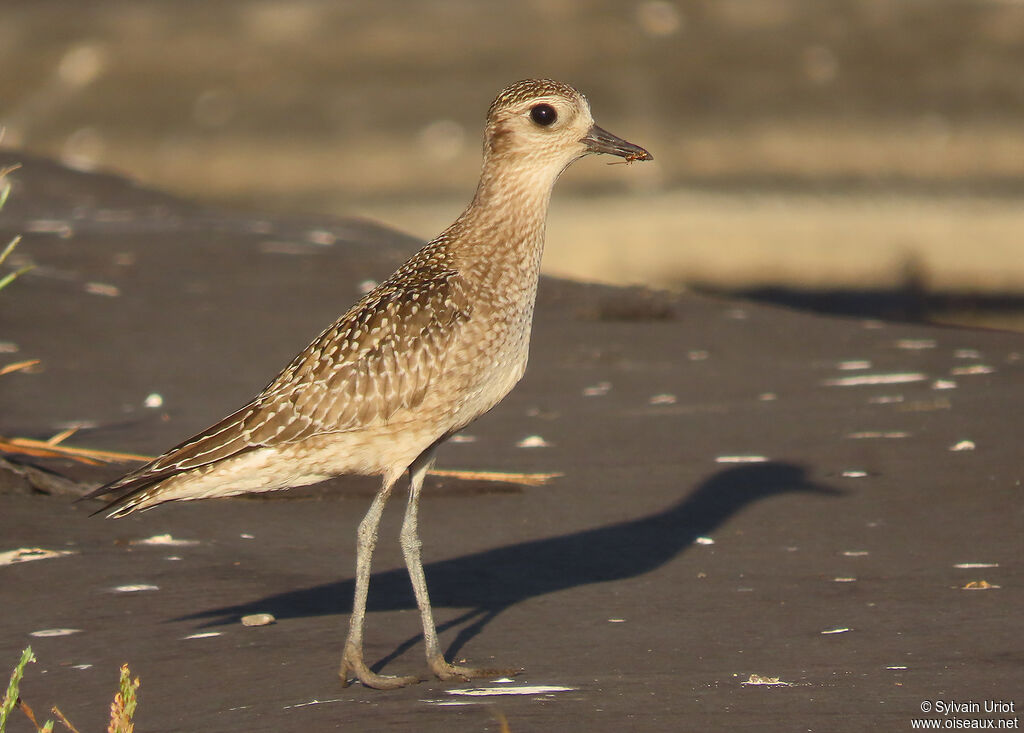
(217, 443)
(124, 494)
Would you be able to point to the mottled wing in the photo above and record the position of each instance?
(378, 359)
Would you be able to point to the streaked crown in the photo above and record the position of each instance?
(538, 118)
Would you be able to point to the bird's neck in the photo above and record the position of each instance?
(500, 237)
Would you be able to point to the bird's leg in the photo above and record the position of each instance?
(411, 544)
(352, 658)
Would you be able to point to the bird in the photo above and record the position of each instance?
(419, 357)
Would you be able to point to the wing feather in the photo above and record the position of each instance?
(378, 359)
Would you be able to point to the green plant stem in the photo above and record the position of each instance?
(11, 698)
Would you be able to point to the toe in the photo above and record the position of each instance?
(446, 671)
(352, 665)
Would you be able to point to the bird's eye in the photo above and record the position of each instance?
(543, 115)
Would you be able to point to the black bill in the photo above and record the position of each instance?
(602, 141)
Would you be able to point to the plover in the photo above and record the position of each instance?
(433, 347)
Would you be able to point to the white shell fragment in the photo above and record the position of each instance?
(202, 635)
(972, 369)
(110, 291)
(45, 633)
(533, 441)
(704, 541)
(258, 619)
(916, 344)
(134, 588)
(741, 459)
(854, 474)
(975, 565)
(870, 379)
(837, 630)
(963, 445)
(944, 384)
(450, 703)
(164, 540)
(662, 399)
(761, 680)
(524, 690)
(887, 434)
(598, 390)
(853, 365)
(27, 554)
(314, 701)
(153, 400)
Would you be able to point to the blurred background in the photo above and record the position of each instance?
(853, 156)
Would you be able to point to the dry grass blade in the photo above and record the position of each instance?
(63, 721)
(526, 479)
(18, 366)
(9, 277)
(51, 449)
(502, 722)
(61, 436)
(5, 191)
(47, 727)
(5, 171)
(16, 446)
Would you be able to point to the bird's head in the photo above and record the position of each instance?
(547, 124)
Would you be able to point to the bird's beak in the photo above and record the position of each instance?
(602, 141)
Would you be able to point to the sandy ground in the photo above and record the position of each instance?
(749, 495)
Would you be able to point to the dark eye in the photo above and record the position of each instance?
(543, 115)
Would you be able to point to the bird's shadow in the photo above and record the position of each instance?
(486, 583)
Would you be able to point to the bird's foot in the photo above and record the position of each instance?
(352, 664)
(447, 671)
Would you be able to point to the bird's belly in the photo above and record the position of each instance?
(367, 451)
(486, 382)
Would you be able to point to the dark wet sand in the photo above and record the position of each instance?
(600, 581)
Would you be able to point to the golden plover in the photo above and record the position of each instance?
(430, 349)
